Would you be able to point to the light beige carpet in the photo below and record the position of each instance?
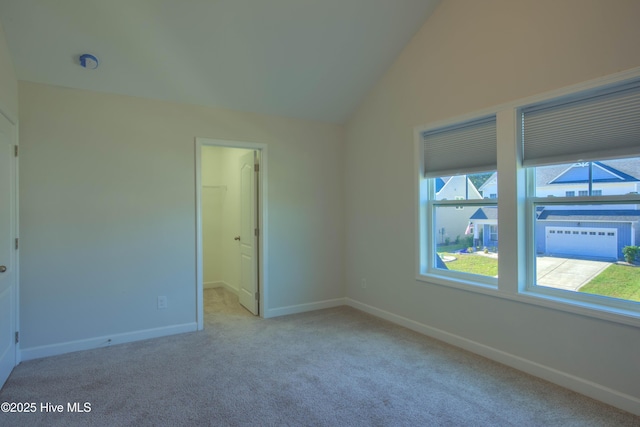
(335, 367)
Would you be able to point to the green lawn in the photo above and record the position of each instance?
(451, 248)
(472, 263)
(616, 281)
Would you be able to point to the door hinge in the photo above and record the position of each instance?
(17, 244)
(17, 337)
(257, 296)
(256, 167)
(256, 232)
(15, 151)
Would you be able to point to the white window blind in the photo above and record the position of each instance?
(594, 125)
(462, 148)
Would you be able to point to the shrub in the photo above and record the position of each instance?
(630, 253)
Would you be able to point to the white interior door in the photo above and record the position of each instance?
(8, 285)
(248, 233)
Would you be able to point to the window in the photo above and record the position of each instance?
(560, 251)
(466, 237)
(457, 221)
(597, 132)
(494, 234)
(589, 258)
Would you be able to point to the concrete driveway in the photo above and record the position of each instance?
(567, 273)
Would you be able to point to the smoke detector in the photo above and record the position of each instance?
(88, 61)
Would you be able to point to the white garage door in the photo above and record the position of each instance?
(582, 241)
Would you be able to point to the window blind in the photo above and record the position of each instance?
(462, 148)
(594, 125)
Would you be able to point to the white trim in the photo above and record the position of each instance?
(17, 235)
(5, 112)
(302, 308)
(263, 284)
(15, 140)
(588, 388)
(220, 284)
(211, 285)
(105, 341)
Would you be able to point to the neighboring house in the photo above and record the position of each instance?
(485, 226)
(454, 223)
(596, 231)
(484, 221)
(489, 189)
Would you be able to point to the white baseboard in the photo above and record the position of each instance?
(220, 284)
(580, 385)
(301, 308)
(210, 285)
(104, 341)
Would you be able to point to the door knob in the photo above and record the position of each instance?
(236, 238)
(3, 268)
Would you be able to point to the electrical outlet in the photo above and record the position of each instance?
(363, 284)
(162, 302)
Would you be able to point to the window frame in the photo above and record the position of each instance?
(427, 270)
(516, 213)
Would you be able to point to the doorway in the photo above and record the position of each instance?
(231, 232)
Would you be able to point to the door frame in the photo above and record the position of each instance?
(263, 255)
(16, 229)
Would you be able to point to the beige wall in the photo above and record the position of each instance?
(8, 82)
(471, 55)
(213, 197)
(107, 211)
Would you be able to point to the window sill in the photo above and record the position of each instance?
(588, 309)
(531, 297)
(488, 288)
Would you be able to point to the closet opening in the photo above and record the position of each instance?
(230, 194)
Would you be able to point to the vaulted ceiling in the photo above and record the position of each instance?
(312, 59)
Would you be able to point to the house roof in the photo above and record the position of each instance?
(579, 173)
(544, 214)
(618, 215)
(487, 212)
(621, 170)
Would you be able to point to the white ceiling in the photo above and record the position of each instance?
(312, 59)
